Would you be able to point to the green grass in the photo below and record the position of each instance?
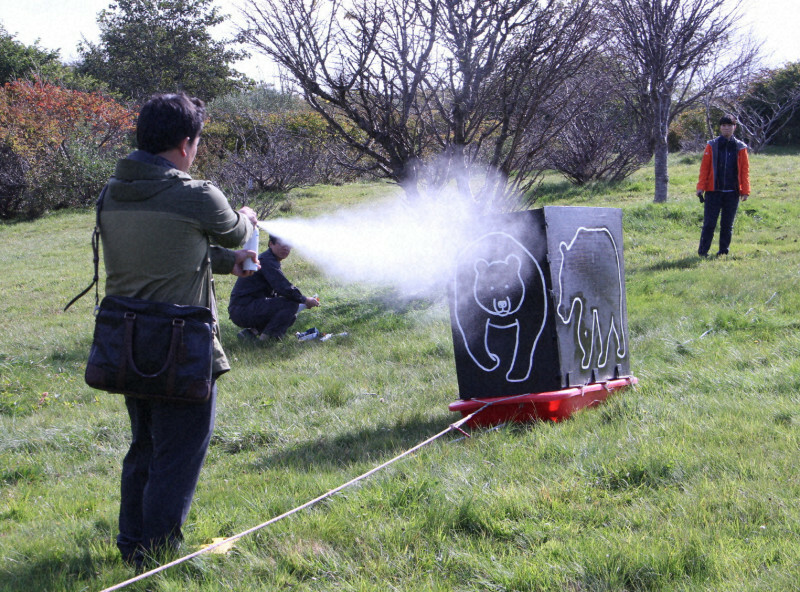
(688, 482)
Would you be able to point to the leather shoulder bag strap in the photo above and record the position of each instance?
(96, 258)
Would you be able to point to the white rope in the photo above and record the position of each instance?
(454, 426)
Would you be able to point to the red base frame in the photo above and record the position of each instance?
(552, 406)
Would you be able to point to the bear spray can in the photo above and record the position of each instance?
(251, 245)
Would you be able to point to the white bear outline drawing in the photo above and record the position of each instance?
(512, 271)
(598, 317)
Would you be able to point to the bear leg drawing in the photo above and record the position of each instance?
(522, 364)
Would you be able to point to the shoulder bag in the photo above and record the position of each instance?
(148, 349)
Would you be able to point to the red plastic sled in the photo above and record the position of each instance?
(552, 406)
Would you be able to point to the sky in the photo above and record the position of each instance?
(68, 22)
(62, 24)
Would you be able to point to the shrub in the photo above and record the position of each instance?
(12, 181)
(257, 157)
(63, 141)
(600, 145)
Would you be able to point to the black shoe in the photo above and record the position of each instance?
(267, 338)
(136, 560)
(247, 335)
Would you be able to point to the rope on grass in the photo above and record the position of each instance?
(453, 426)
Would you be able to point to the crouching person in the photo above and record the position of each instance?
(266, 303)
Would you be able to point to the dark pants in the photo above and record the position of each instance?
(718, 202)
(160, 472)
(272, 316)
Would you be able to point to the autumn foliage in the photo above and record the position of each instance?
(62, 144)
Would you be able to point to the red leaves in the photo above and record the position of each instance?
(37, 117)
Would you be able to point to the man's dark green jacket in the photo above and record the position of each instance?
(163, 235)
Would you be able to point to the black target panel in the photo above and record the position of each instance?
(537, 303)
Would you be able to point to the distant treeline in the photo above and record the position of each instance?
(498, 95)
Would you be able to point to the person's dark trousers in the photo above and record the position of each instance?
(272, 316)
(716, 203)
(160, 473)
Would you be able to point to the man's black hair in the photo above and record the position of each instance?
(727, 119)
(273, 239)
(166, 119)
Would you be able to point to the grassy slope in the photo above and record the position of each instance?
(687, 483)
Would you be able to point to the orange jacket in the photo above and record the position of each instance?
(707, 166)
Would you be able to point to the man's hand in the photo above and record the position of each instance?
(700, 197)
(243, 255)
(744, 196)
(249, 214)
(311, 302)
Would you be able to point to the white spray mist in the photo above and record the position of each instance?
(412, 247)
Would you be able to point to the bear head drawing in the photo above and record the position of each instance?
(499, 288)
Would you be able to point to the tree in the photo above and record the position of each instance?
(670, 50)
(150, 46)
(260, 144)
(364, 64)
(404, 80)
(782, 81)
(261, 156)
(18, 60)
(767, 106)
(605, 142)
(505, 87)
(24, 62)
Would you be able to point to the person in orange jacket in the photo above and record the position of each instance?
(724, 180)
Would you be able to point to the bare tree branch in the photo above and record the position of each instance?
(762, 110)
(506, 60)
(401, 81)
(361, 67)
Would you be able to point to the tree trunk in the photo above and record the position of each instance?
(406, 174)
(459, 170)
(662, 172)
(661, 149)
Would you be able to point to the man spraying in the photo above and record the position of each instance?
(164, 235)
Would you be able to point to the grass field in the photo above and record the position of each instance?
(691, 481)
